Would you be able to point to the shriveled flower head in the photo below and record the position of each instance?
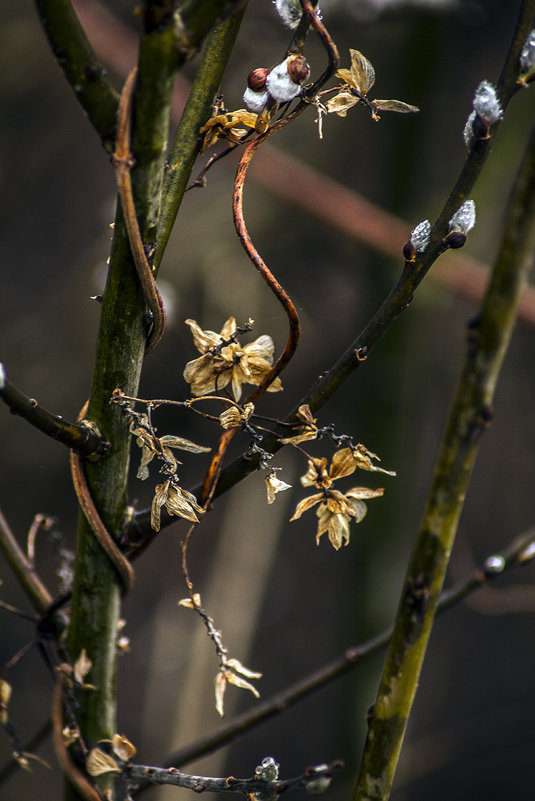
(335, 509)
(224, 361)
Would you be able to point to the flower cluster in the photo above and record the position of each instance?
(357, 82)
(224, 361)
(335, 509)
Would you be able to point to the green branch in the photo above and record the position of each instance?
(81, 67)
(81, 437)
(185, 147)
(470, 414)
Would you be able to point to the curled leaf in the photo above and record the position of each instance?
(395, 105)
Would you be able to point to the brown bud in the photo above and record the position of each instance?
(409, 254)
(256, 80)
(298, 69)
(455, 239)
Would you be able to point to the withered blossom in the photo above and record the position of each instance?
(274, 485)
(236, 416)
(152, 446)
(232, 363)
(233, 672)
(336, 509)
(358, 80)
(176, 500)
(309, 429)
(224, 125)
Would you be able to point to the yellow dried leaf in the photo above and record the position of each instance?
(188, 603)
(394, 105)
(122, 746)
(305, 505)
(5, 696)
(98, 762)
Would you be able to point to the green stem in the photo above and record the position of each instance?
(81, 67)
(95, 607)
(469, 416)
(185, 147)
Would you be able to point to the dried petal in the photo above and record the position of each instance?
(5, 696)
(98, 762)
(305, 505)
(172, 441)
(274, 485)
(361, 76)
(191, 603)
(363, 458)
(343, 463)
(122, 746)
(341, 103)
(82, 666)
(220, 687)
(316, 475)
(395, 105)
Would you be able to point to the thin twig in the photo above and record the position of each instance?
(518, 553)
(84, 439)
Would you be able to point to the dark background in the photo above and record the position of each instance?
(284, 605)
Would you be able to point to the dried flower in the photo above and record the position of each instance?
(152, 446)
(336, 510)
(224, 125)
(176, 500)
(225, 361)
(274, 485)
(234, 416)
(358, 80)
(310, 428)
(233, 672)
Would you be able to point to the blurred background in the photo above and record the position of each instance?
(285, 606)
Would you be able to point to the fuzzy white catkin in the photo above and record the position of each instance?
(279, 84)
(464, 218)
(420, 236)
(527, 56)
(290, 12)
(486, 102)
(255, 101)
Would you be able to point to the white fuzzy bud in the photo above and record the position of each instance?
(464, 218)
(255, 101)
(468, 131)
(527, 56)
(279, 84)
(420, 236)
(3, 377)
(290, 12)
(486, 103)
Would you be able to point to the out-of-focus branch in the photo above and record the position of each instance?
(470, 414)
(517, 553)
(83, 438)
(23, 569)
(82, 69)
